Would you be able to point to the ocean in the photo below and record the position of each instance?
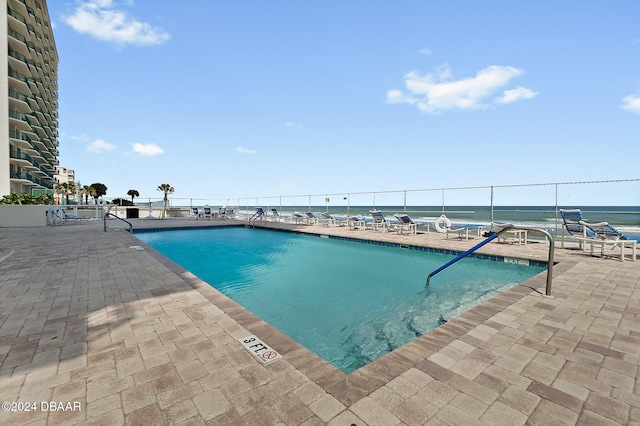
(624, 218)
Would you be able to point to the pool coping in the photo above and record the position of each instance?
(349, 388)
(497, 258)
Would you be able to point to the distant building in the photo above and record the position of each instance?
(65, 175)
(28, 98)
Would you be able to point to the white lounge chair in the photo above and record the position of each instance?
(608, 237)
(357, 222)
(206, 212)
(573, 227)
(379, 222)
(275, 216)
(405, 223)
(197, 213)
(467, 230)
(298, 218)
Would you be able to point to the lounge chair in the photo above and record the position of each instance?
(206, 212)
(53, 217)
(443, 225)
(511, 236)
(225, 212)
(317, 219)
(405, 223)
(329, 220)
(196, 212)
(232, 213)
(298, 218)
(275, 217)
(357, 222)
(607, 236)
(379, 222)
(67, 216)
(312, 218)
(573, 227)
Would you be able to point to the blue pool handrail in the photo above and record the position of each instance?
(117, 217)
(492, 236)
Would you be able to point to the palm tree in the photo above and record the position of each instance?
(58, 189)
(167, 189)
(70, 189)
(87, 191)
(133, 193)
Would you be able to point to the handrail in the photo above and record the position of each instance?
(117, 217)
(257, 215)
(495, 235)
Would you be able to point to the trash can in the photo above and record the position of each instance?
(133, 213)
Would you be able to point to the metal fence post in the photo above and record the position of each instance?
(491, 211)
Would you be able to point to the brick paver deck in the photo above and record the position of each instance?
(95, 331)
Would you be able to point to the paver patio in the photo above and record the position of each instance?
(95, 331)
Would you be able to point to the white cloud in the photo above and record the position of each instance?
(426, 51)
(631, 103)
(291, 124)
(438, 91)
(242, 150)
(147, 150)
(100, 145)
(102, 20)
(516, 94)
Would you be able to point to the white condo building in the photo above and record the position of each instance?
(28, 98)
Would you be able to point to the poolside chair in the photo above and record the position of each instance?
(329, 220)
(196, 212)
(298, 218)
(314, 218)
(468, 230)
(53, 217)
(607, 236)
(66, 216)
(224, 212)
(510, 236)
(206, 212)
(275, 216)
(405, 223)
(379, 222)
(573, 227)
(357, 222)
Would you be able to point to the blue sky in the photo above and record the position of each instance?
(258, 98)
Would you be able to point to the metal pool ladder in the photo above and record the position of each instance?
(494, 235)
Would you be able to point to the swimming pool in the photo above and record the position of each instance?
(348, 302)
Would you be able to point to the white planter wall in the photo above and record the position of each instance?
(12, 216)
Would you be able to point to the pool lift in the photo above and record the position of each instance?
(492, 236)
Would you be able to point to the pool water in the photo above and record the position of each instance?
(348, 302)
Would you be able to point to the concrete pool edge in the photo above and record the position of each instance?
(349, 388)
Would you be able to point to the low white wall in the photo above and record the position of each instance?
(16, 216)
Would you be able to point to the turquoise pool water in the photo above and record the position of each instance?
(348, 302)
